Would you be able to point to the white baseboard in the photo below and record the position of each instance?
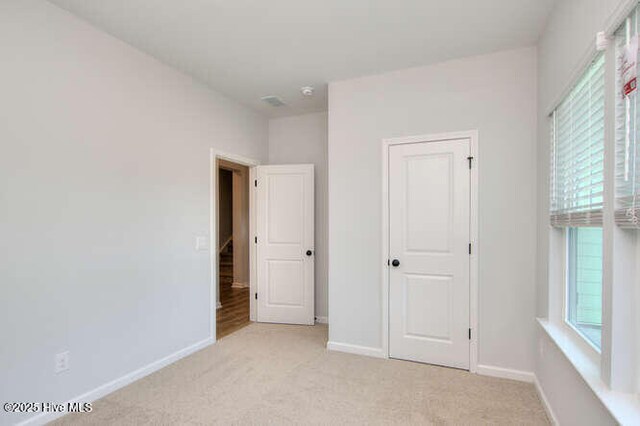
(239, 285)
(355, 349)
(506, 373)
(322, 320)
(120, 382)
(545, 402)
(523, 376)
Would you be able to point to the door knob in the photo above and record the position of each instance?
(309, 252)
(395, 263)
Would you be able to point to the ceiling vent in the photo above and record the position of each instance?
(274, 101)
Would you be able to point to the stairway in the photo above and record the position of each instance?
(226, 265)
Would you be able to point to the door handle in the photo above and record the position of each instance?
(395, 263)
(309, 252)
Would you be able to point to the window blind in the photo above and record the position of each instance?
(627, 211)
(577, 152)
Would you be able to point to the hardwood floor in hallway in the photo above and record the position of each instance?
(234, 313)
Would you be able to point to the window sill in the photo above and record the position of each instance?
(624, 407)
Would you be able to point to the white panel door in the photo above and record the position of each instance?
(429, 208)
(285, 244)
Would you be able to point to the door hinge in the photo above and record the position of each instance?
(255, 182)
(256, 296)
(469, 334)
(470, 159)
(255, 239)
(469, 248)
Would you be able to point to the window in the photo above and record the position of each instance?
(580, 197)
(584, 282)
(577, 154)
(577, 175)
(627, 212)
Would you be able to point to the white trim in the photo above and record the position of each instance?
(474, 259)
(624, 407)
(472, 135)
(545, 402)
(620, 354)
(253, 251)
(385, 249)
(611, 25)
(120, 382)
(587, 345)
(214, 154)
(239, 285)
(506, 373)
(356, 349)
(558, 295)
(322, 320)
(619, 15)
(238, 159)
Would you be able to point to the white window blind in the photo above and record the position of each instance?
(627, 211)
(577, 152)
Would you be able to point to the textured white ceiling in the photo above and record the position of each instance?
(247, 49)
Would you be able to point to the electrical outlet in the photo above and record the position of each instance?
(61, 362)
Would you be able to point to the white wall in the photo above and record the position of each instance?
(104, 183)
(303, 139)
(495, 94)
(563, 49)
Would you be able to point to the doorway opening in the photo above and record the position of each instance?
(262, 266)
(233, 295)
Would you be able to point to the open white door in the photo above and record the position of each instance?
(285, 244)
(429, 208)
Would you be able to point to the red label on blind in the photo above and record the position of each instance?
(629, 66)
(630, 86)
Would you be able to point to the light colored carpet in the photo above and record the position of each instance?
(278, 374)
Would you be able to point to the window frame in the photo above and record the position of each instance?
(597, 351)
(582, 348)
(559, 242)
(614, 374)
(621, 39)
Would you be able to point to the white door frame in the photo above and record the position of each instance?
(472, 135)
(214, 155)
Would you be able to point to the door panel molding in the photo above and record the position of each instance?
(285, 234)
(472, 137)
